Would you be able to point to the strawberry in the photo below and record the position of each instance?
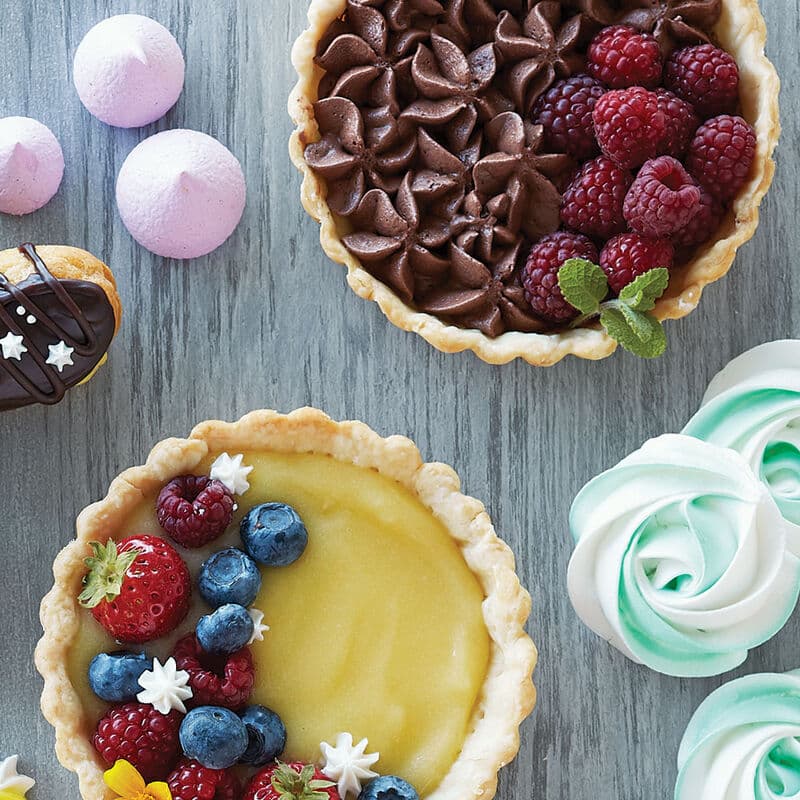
(295, 781)
(138, 590)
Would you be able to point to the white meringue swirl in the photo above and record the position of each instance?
(681, 558)
(743, 742)
(753, 406)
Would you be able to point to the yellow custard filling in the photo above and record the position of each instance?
(377, 629)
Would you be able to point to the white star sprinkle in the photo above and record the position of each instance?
(230, 471)
(259, 629)
(12, 346)
(348, 764)
(60, 355)
(11, 781)
(165, 687)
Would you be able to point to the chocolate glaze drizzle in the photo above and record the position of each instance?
(74, 312)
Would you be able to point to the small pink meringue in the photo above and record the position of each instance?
(128, 71)
(31, 165)
(181, 193)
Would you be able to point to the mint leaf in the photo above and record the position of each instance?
(583, 284)
(641, 334)
(641, 294)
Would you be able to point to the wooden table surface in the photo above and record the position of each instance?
(267, 321)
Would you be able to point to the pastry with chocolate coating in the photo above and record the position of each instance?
(59, 311)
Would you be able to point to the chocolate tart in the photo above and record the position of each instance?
(362, 497)
(59, 311)
(739, 29)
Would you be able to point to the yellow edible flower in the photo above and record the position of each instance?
(124, 779)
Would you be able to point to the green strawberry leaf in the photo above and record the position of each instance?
(583, 284)
(106, 573)
(641, 334)
(641, 294)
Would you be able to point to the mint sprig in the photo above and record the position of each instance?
(625, 318)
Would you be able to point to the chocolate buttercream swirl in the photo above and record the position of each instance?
(538, 51)
(360, 149)
(455, 89)
(398, 242)
(599, 12)
(516, 168)
(482, 289)
(367, 57)
(44, 311)
(673, 22)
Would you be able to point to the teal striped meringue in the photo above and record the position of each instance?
(743, 742)
(681, 558)
(753, 406)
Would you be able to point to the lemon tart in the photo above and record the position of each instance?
(399, 621)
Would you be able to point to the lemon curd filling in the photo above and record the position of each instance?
(376, 630)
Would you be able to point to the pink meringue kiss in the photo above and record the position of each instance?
(128, 71)
(31, 165)
(181, 193)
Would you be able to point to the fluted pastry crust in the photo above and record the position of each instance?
(508, 695)
(740, 30)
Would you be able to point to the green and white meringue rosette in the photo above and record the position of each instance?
(682, 559)
(743, 742)
(753, 406)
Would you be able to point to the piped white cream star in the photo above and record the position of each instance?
(165, 687)
(348, 764)
(60, 355)
(12, 346)
(11, 781)
(230, 471)
(259, 629)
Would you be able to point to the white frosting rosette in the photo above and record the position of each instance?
(682, 558)
(743, 742)
(753, 406)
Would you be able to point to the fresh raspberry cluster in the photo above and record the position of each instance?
(673, 157)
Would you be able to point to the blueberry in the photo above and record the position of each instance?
(229, 576)
(274, 534)
(388, 787)
(267, 735)
(225, 630)
(214, 736)
(114, 677)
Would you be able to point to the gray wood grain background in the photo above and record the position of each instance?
(267, 321)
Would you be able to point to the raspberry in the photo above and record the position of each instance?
(703, 224)
(629, 255)
(721, 154)
(706, 77)
(194, 510)
(592, 203)
(140, 734)
(629, 125)
(216, 680)
(540, 274)
(190, 780)
(621, 56)
(565, 112)
(681, 123)
(662, 199)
